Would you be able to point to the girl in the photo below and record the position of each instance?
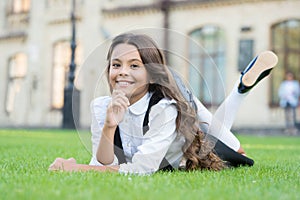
(147, 125)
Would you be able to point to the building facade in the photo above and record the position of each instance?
(208, 42)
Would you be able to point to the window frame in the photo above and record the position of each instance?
(283, 51)
(15, 77)
(216, 57)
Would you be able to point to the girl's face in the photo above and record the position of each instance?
(127, 72)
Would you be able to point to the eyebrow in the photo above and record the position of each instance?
(131, 60)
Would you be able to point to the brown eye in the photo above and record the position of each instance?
(115, 65)
(134, 66)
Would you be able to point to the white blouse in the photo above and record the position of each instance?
(143, 153)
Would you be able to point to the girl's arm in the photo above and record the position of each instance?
(114, 115)
(70, 165)
(105, 151)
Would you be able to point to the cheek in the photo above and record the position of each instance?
(111, 81)
(111, 75)
(143, 76)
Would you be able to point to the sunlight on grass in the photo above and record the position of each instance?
(26, 155)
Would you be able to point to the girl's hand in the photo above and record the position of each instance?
(61, 164)
(116, 109)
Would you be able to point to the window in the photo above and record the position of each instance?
(285, 40)
(61, 64)
(17, 69)
(206, 71)
(19, 6)
(245, 53)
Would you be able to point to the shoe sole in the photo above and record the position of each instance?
(265, 60)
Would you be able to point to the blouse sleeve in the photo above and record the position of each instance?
(98, 111)
(156, 141)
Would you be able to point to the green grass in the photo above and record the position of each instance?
(26, 154)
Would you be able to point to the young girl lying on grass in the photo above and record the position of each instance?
(147, 125)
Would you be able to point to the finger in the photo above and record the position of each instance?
(123, 99)
(72, 160)
(52, 168)
(118, 94)
(119, 103)
(57, 160)
(55, 165)
(120, 100)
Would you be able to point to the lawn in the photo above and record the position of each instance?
(26, 155)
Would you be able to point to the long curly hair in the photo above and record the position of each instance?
(162, 80)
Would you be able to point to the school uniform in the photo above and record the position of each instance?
(143, 153)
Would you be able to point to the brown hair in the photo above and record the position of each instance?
(162, 81)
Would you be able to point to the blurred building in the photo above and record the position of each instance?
(208, 42)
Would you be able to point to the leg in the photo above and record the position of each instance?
(212, 125)
(294, 116)
(227, 111)
(220, 123)
(225, 144)
(224, 117)
(290, 120)
(289, 117)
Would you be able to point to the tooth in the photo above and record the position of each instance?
(123, 83)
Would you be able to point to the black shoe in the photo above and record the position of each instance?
(258, 68)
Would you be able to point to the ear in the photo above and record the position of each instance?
(151, 81)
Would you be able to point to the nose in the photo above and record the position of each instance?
(124, 71)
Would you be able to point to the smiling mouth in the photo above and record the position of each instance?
(124, 83)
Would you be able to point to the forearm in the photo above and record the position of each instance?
(70, 165)
(105, 151)
(83, 167)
